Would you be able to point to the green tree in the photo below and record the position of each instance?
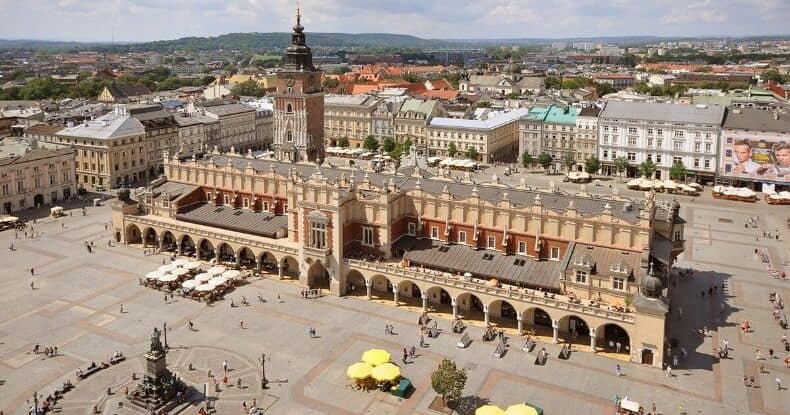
(678, 171)
(472, 153)
(569, 159)
(527, 160)
(449, 382)
(42, 88)
(388, 144)
(330, 83)
(452, 150)
(773, 75)
(406, 146)
(545, 160)
(592, 165)
(371, 143)
(248, 88)
(620, 165)
(413, 78)
(343, 142)
(230, 69)
(647, 168)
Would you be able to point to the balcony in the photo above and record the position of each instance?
(511, 293)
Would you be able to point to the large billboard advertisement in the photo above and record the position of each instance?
(755, 156)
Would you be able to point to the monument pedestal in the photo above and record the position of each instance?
(158, 389)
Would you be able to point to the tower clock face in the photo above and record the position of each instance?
(290, 81)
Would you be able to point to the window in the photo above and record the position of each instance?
(679, 134)
(678, 145)
(246, 202)
(461, 237)
(631, 156)
(676, 160)
(650, 142)
(226, 198)
(581, 277)
(555, 253)
(265, 206)
(606, 139)
(208, 196)
(618, 283)
(658, 158)
(492, 242)
(412, 229)
(631, 141)
(697, 146)
(522, 247)
(318, 235)
(696, 162)
(289, 136)
(289, 109)
(631, 130)
(367, 236)
(650, 131)
(708, 147)
(707, 163)
(5, 189)
(434, 232)
(678, 235)
(660, 132)
(606, 154)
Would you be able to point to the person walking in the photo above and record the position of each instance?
(778, 384)
(225, 366)
(746, 382)
(191, 325)
(122, 308)
(617, 371)
(32, 272)
(241, 324)
(675, 361)
(669, 371)
(32, 287)
(758, 355)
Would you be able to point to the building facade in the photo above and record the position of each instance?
(755, 148)
(495, 138)
(586, 135)
(664, 133)
(237, 125)
(412, 119)
(531, 132)
(299, 104)
(559, 137)
(349, 116)
(383, 118)
(32, 176)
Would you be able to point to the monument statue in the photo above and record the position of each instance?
(156, 343)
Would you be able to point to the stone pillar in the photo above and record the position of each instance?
(555, 325)
(485, 314)
(455, 309)
(592, 339)
(520, 324)
(395, 296)
(425, 302)
(369, 287)
(257, 264)
(280, 271)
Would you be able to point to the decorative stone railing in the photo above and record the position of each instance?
(514, 294)
(194, 231)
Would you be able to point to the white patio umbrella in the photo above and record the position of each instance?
(204, 288)
(191, 265)
(154, 275)
(180, 262)
(218, 281)
(189, 284)
(231, 274)
(167, 268)
(204, 277)
(179, 272)
(168, 278)
(216, 270)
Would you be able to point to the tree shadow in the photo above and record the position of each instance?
(468, 404)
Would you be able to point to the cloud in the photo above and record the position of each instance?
(140, 20)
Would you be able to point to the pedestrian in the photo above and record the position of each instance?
(771, 352)
(778, 384)
(422, 341)
(31, 286)
(32, 272)
(617, 371)
(405, 355)
(675, 361)
(726, 344)
(225, 366)
(121, 308)
(746, 382)
(244, 405)
(669, 371)
(683, 353)
(654, 408)
(241, 324)
(758, 355)
(165, 298)
(412, 351)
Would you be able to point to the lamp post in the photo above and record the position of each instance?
(264, 382)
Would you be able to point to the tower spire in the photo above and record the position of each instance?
(298, 13)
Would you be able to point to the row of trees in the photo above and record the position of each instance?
(391, 148)
(592, 165)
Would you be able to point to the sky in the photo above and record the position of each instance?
(144, 20)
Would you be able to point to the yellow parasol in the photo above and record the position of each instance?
(489, 410)
(359, 370)
(520, 409)
(386, 372)
(376, 357)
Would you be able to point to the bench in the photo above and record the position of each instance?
(402, 388)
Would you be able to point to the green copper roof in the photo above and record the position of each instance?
(562, 115)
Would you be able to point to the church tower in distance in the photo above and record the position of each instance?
(299, 103)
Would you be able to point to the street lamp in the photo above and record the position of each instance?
(164, 330)
(264, 382)
(35, 403)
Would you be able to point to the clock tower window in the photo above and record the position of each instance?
(289, 109)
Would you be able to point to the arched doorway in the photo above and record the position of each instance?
(503, 314)
(38, 200)
(317, 276)
(133, 235)
(206, 250)
(226, 254)
(355, 284)
(538, 322)
(409, 294)
(150, 238)
(246, 257)
(470, 307)
(188, 246)
(613, 338)
(290, 268)
(573, 329)
(168, 242)
(381, 288)
(439, 300)
(268, 263)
